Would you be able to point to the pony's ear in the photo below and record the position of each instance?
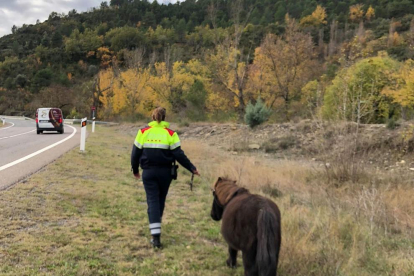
(219, 179)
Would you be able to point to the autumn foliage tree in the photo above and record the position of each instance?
(401, 88)
(286, 63)
(317, 18)
(356, 93)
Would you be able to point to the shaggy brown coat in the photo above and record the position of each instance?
(251, 224)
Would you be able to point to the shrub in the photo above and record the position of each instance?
(256, 114)
(392, 123)
(282, 143)
(271, 191)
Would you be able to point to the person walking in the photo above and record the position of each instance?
(156, 148)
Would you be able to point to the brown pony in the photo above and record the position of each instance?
(251, 224)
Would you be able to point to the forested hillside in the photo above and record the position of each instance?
(206, 60)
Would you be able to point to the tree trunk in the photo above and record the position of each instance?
(242, 107)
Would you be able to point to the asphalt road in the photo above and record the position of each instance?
(23, 152)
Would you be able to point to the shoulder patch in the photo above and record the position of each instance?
(171, 132)
(144, 129)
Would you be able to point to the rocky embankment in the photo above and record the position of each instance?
(371, 144)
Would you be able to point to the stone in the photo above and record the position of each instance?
(254, 146)
(411, 169)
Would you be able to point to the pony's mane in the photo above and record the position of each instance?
(228, 188)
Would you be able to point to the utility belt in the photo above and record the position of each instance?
(174, 168)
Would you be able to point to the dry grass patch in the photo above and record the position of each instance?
(85, 215)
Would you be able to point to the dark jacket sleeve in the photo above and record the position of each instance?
(180, 156)
(135, 156)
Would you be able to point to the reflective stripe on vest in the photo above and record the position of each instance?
(138, 145)
(155, 146)
(174, 146)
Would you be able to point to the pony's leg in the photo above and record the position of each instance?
(249, 262)
(232, 260)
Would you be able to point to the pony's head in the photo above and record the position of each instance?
(224, 190)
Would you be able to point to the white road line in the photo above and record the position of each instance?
(38, 152)
(7, 127)
(1, 138)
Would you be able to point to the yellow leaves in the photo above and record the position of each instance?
(70, 76)
(284, 64)
(317, 18)
(396, 39)
(105, 55)
(105, 80)
(171, 85)
(356, 12)
(126, 93)
(402, 90)
(90, 54)
(370, 13)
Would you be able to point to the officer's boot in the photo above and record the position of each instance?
(156, 241)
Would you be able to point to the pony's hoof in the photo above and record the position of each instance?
(230, 264)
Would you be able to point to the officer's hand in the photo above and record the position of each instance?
(137, 176)
(196, 172)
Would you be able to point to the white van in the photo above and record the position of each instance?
(49, 119)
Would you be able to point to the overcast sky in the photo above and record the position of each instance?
(19, 12)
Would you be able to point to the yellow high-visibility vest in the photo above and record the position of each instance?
(157, 136)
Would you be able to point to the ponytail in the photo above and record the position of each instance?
(159, 114)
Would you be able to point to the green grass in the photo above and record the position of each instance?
(86, 215)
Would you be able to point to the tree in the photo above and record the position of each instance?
(21, 81)
(370, 13)
(401, 89)
(181, 30)
(356, 12)
(229, 64)
(126, 38)
(56, 40)
(43, 78)
(356, 92)
(16, 48)
(80, 44)
(317, 18)
(57, 95)
(197, 99)
(134, 81)
(256, 114)
(14, 29)
(171, 84)
(286, 64)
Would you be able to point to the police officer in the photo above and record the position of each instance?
(156, 147)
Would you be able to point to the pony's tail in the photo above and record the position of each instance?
(268, 242)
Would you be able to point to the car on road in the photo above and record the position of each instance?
(49, 119)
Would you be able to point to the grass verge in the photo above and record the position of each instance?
(86, 215)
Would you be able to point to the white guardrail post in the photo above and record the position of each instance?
(83, 134)
(93, 125)
(4, 121)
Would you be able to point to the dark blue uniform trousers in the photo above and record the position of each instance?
(156, 183)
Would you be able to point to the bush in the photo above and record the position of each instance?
(392, 124)
(256, 114)
(277, 144)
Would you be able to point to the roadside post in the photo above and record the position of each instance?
(93, 125)
(4, 121)
(83, 134)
